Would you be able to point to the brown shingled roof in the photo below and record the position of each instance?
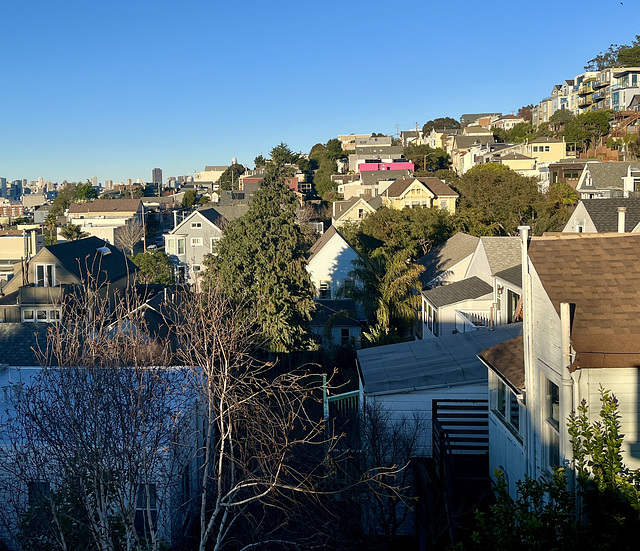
(106, 205)
(507, 360)
(600, 274)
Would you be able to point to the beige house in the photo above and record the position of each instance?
(16, 245)
(353, 210)
(38, 292)
(547, 150)
(415, 192)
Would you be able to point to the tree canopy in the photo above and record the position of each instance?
(260, 262)
(154, 267)
(229, 179)
(627, 55)
(441, 123)
(426, 158)
(86, 192)
(189, 198)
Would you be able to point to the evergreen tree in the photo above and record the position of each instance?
(260, 263)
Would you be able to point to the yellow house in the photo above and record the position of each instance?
(526, 166)
(352, 210)
(547, 150)
(415, 192)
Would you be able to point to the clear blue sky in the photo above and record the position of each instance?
(116, 88)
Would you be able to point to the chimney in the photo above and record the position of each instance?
(622, 217)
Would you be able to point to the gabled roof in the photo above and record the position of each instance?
(600, 274)
(465, 289)
(502, 252)
(447, 255)
(106, 205)
(323, 240)
(604, 213)
(465, 142)
(425, 364)
(438, 187)
(342, 207)
(610, 174)
(512, 275)
(507, 360)
(210, 214)
(82, 255)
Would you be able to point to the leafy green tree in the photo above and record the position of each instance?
(189, 198)
(260, 262)
(427, 159)
(587, 129)
(155, 267)
(259, 161)
(500, 135)
(441, 123)
(560, 118)
(616, 56)
(520, 132)
(85, 192)
(496, 200)
(526, 112)
(230, 178)
(334, 149)
(65, 197)
(71, 232)
(389, 294)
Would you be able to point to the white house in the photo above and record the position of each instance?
(605, 216)
(581, 303)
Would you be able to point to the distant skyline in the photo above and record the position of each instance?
(115, 89)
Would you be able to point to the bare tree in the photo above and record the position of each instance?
(265, 457)
(97, 427)
(128, 236)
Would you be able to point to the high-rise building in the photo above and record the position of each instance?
(108, 184)
(94, 181)
(3, 187)
(156, 176)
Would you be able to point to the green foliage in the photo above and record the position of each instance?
(441, 123)
(155, 267)
(541, 518)
(427, 159)
(71, 232)
(587, 129)
(282, 155)
(86, 192)
(448, 176)
(500, 135)
(325, 156)
(65, 197)
(260, 263)
(560, 118)
(495, 200)
(229, 179)
(520, 132)
(189, 198)
(259, 161)
(388, 292)
(616, 56)
(544, 516)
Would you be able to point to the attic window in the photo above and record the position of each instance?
(104, 251)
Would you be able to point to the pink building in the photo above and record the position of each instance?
(367, 167)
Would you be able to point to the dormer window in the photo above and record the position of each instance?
(45, 275)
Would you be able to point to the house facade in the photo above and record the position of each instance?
(191, 241)
(576, 340)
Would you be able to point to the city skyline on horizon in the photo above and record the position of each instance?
(152, 84)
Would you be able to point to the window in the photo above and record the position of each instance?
(181, 246)
(349, 284)
(325, 290)
(432, 320)
(444, 203)
(552, 422)
(171, 246)
(196, 241)
(344, 336)
(546, 148)
(45, 275)
(196, 224)
(505, 405)
(28, 315)
(145, 502)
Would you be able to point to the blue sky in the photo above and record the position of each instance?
(116, 88)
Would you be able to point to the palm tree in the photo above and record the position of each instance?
(389, 293)
(50, 224)
(72, 232)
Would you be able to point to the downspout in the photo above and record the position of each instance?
(566, 392)
(527, 330)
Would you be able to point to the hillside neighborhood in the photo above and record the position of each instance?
(368, 345)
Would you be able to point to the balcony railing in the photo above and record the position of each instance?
(42, 295)
(346, 402)
(472, 321)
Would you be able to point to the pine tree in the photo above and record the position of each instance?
(260, 261)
